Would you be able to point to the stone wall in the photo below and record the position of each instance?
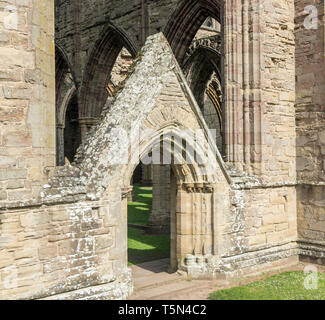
(53, 250)
(310, 96)
(27, 113)
(277, 122)
(310, 123)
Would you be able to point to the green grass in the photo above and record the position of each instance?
(139, 211)
(284, 286)
(142, 247)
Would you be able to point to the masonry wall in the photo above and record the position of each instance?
(310, 121)
(278, 136)
(27, 107)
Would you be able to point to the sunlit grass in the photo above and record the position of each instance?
(284, 286)
(142, 247)
(139, 211)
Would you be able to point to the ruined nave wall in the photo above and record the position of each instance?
(80, 24)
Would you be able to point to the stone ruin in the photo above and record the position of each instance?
(256, 204)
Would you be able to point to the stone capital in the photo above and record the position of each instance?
(197, 187)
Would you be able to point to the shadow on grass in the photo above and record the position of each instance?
(145, 248)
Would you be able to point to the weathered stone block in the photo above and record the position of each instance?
(48, 252)
(6, 174)
(257, 240)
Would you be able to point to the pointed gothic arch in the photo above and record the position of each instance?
(186, 20)
(93, 93)
(65, 91)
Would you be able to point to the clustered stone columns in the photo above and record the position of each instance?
(243, 83)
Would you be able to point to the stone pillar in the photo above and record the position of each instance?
(259, 116)
(159, 220)
(147, 171)
(60, 161)
(27, 97)
(243, 83)
(85, 126)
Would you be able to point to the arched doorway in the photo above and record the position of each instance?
(153, 240)
(191, 195)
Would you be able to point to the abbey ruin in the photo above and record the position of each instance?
(82, 80)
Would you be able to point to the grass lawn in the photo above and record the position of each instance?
(284, 286)
(139, 211)
(142, 247)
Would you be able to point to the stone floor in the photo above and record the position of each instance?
(153, 282)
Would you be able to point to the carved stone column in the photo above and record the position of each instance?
(243, 70)
(195, 216)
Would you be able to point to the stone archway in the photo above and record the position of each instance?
(161, 111)
(191, 189)
(186, 20)
(164, 117)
